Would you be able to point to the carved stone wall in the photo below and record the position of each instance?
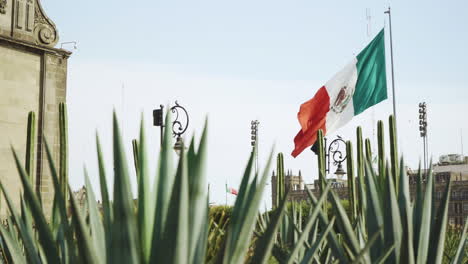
(25, 20)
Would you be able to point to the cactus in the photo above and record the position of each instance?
(280, 187)
(351, 182)
(360, 171)
(321, 166)
(63, 152)
(393, 151)
(368, 151)
(381, 154)
(381, 147)
(31, 147)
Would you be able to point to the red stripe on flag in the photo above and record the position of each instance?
(312, 117)
(233, 191)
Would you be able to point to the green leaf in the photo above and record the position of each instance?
(85, 245)
(25, 233)
(198, 198)
(244, 216)
(106, 206)
(336, 247)
(404, 203)
(124, 243)
(176, 243)
(45, 235)
(265, 243)
(425, 228)
(145, 199)
(300, 242)
(365, 251)
(97, 229)
(436, 246)
(392, 219)
(60, 207)
(459, 256)
(344, 224)
(163, 187)
(312, 252)
(374, 214)
(13, 246)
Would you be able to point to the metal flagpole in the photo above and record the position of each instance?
(391, 58)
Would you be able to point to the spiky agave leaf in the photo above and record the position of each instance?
(198, 197)
(26, 235)
(265, 244)
(145, 198)
(45, 235)
(300, 242)
(107, 211)
(95, 225)
(244, 214)
(163, 185)
(124, 240)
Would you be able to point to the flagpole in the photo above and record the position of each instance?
(391, 58)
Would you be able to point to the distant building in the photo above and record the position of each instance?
(453, 167)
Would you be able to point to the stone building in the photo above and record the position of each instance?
(453, 167)
(33, 77)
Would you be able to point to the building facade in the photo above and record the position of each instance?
(454, 169)
(33, 76)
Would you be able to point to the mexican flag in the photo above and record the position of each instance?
(231, 190)
(359, 85)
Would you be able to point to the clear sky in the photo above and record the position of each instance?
(236, 61)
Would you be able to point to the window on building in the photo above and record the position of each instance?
(465, 207)
(455, 194)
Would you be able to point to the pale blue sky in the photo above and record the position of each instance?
(242, 60)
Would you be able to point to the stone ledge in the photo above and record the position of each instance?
(23, 44)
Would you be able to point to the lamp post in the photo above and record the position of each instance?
(179, 125)
(333, 151)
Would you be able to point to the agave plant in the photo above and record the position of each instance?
(388, 227)
(169, 223)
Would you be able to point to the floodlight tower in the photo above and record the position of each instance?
(423, 131)
(254, 141)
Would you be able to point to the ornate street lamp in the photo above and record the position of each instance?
(179, 125)
(334, 152)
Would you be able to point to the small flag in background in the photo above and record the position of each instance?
(360, 85)
(231, 190)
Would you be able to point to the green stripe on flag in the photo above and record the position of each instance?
(371, 85)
